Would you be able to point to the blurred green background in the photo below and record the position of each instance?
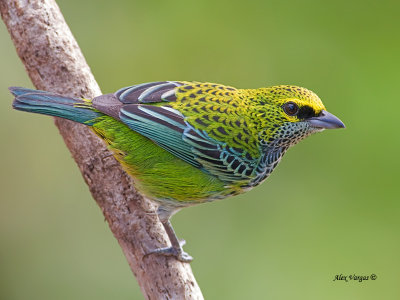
(331, 207)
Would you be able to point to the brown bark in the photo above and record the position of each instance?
(54, 62)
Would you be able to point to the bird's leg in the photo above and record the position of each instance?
(176, 248)
(176, 245)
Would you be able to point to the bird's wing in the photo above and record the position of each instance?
(168, 128)
(225, 113)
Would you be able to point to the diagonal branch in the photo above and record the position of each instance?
(54, 62)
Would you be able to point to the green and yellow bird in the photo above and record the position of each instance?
(187, 143)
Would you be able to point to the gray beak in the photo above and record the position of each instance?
(326, 121)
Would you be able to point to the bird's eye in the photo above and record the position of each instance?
(291, 108)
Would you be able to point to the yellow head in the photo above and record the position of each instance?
(288, 114)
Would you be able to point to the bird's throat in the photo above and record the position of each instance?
(268, 162)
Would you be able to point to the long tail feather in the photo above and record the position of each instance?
(52, 104)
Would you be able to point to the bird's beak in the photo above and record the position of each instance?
(326, 121)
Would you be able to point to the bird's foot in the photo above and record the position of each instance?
(178, 253)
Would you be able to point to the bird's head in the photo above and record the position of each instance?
(288, 114)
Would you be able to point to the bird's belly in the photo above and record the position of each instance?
(157, 173)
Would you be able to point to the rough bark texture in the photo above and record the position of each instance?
(55, 63)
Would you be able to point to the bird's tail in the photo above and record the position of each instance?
(41, 102)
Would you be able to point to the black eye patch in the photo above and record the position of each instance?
(306, 112)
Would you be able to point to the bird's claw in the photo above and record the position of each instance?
(179, 254)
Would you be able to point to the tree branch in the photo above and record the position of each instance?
(54, 62)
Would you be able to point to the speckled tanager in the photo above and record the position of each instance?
(186, 143)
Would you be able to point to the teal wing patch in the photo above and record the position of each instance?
(167, 127)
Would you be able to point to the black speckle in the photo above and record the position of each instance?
(199, 121)
(222, 130)
(235, 164)
(241, 168)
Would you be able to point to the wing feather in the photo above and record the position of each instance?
(151, 92)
